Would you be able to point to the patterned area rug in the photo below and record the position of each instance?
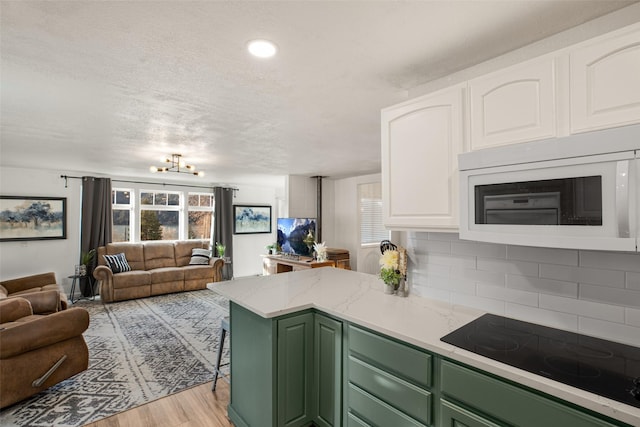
(139, 351)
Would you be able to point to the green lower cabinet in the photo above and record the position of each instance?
(491, 398)
(452, 415)
(327, 371)
(295, 370)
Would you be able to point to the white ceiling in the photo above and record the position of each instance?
(110, 87)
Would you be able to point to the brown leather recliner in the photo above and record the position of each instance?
(38, 351)
(38, 289)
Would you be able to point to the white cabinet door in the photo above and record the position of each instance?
(605, 82)
(421, 140)
(513, 105)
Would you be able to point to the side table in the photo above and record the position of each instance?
(78, 279)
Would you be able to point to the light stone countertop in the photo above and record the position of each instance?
(359, 298)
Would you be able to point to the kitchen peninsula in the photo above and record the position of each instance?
(327, 347)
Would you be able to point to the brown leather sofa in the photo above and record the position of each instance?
(42, 291)
(157, 267)
(38, 351)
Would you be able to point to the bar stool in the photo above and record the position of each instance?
(224, 329)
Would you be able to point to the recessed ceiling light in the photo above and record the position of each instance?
(262, 48)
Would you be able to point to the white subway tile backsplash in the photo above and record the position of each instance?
(509, 295)
(596, 291)
(555, 319)
(616, 296)
(610, 331)
(479, 249)
(486, 304)
(488, 277)
(610, 260)
(543, 255)
(633, 281)
(521, 268)
(592, 276)
(582, 308)
(451, 260)
(543, 286)
(632, 317)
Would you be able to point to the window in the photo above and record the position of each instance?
(160, 215)
(370, 214)
(122, 214)
(200, 215)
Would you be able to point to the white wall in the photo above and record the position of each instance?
(24, 258)
(40, 256)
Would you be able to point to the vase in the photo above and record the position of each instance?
(389, 289)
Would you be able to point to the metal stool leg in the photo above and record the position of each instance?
(224, 327)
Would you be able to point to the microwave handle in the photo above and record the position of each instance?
(622, 197)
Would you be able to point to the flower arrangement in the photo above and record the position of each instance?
(393, 267)
(321, 251)
(220, 248)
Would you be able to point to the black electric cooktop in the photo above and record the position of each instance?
(602, 367)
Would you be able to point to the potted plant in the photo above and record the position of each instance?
(220, 249)
(85, 259)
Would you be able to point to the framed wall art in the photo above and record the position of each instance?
(32, 218)
(248, 219)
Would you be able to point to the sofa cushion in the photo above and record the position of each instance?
(200, 257)
(184, 250)
(166, 274)
(134, 253)
(131, 279)
(193, 272)
(158, 255)
(3, 292)
(117, 263)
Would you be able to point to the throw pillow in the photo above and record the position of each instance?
(200, 257)
(117, 263)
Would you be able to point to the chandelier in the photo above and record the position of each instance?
(176, 164)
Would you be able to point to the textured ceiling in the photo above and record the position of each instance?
(110, 87)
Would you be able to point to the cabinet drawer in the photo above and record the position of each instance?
(400, 394)
(403, 361)
(453, 415)
(509, 403)
(375, 412)
(353, 421)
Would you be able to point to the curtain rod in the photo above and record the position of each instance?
(67, 177)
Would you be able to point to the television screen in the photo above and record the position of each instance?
(297, 235)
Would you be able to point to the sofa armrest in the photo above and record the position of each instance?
(43, 331)
(217, 264)
(12, 309)
(42, 302)
(104, 276)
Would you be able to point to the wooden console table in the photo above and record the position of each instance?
(273, 264)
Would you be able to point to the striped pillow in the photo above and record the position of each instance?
(200, 256)
(117, 263)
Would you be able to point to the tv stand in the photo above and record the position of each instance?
(274, 264)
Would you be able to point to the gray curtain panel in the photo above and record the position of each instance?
(223, 225)
(95, 229)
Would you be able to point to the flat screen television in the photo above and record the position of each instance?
(293, 235)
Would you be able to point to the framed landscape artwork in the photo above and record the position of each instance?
(251, 219)
(32, 218)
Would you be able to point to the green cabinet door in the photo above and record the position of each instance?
(454, 416)
(327, 371)
(295, 373)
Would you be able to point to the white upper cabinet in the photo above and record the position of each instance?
(513, 105)
(605, 82)
(421, 140)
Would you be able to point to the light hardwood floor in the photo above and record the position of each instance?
(194, 407)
